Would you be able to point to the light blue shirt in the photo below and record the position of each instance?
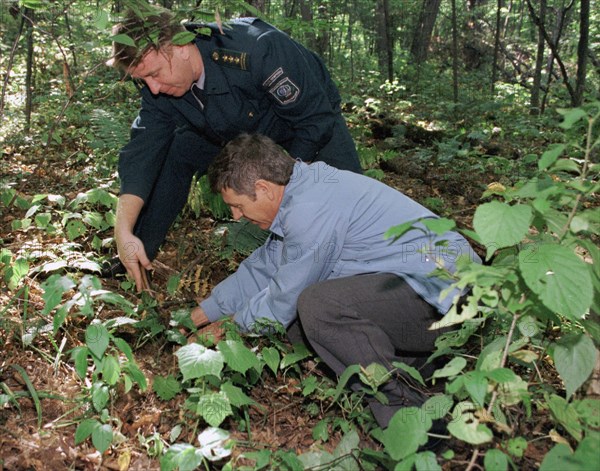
(331, 224)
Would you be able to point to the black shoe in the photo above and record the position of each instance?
(112, 268)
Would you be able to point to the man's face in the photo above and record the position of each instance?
(167, 71)
(260, 211)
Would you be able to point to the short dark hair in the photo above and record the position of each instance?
(247, 159)
(150, 27)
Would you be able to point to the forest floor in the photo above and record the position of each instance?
(40, 435)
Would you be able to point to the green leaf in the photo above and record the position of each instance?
(54, 288)
(427, 461)
(196, 361)
(123, 39)
(321, 431)
(412, 372)
(166, 387)
(213, 444)
(476, 384)
(111, 369)
(237, 356)
(272, 358)
(173, 284)
(395, 232)
(75, 228)
(181, 456)
(466, 426)
(560, 279)
(439, 226)
(412, 425)
(555, 458)
(500, 225)
(236, 396)
(79, 355)
(136, 374)
(517, 446)
(85, 429)
(97, 338)
(345, 454)
(300, 353)
(550, 156)
(100, 395)
(575, 357)
(101, 20)
(571, 116)
(214, 408)
(566, 414)
(437, 406)
(59, 318)
(495, 460)
(183, 37)
(452, 368)
(102, 437)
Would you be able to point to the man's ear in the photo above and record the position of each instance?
(265, 187)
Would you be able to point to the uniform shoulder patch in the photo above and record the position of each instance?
(230, 58)
(285, 91)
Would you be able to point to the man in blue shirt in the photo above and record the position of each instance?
(203, 86)
(358, 297)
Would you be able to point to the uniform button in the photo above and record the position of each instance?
(250, 114)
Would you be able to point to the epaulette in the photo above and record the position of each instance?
(229, 58)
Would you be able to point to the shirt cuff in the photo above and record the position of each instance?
(211, 309)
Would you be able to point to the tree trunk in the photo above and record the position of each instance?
(11, 60)
(30, 17)
(496, 47)
(582, 51)
(423, 30)
(384, 46)
(454, 53)
(539, 62)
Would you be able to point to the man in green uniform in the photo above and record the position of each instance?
(245, 76)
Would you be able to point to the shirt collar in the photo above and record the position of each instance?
(300, 169)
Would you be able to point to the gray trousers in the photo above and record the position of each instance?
(371, 318)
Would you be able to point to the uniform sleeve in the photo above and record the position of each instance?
(252, 277)
(296, 83)
(141, 159)
(308, 255)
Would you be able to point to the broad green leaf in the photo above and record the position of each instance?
(181, 456)
(321, 431)
(500, 225)
(517, 446)
(173, 284)
(560, 279)
(166, 387)
(374, 375)
(101, 20)
(183, 37)
(550, 156)
(575, 357)
(412, 425)
(75, 228)
(237, 356)
(123, 346)
(272, 358)
(100, 395)
(102, 437)
(300, 353)
(196, 361)
(79, 355)
(571, 116)
(111, 369)
(512, 392)
(502, 375)
(214, 408)
(123, 39)
(236, 396)
(136, 374)
(466, 426)
(96, 339)
(59, 318)
(476, 384)
(566, 414)
(439, 226)
(437, 406)
(413, 372)
(345, 454)
(395, 232)
(427, 461)
(20, 268)
(85, 429)
(495, 460)
(555, 459)
(452, 368)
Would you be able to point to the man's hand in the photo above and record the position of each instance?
(131, 249)
(133, 256)
(213, 333)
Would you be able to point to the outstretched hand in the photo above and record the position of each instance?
(133, 256)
